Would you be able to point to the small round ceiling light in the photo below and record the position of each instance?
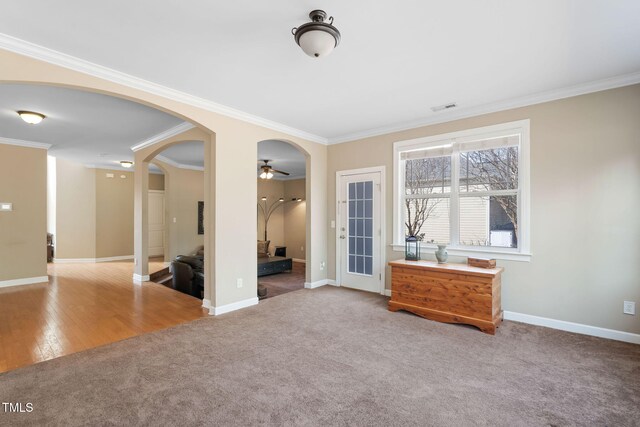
(317, 38)
(31, 117)
(126, 164)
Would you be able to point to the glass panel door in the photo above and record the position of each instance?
(360, 227)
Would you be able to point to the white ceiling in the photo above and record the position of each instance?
(99, 130)
(188, 153)
(84, 127)
(396, 59)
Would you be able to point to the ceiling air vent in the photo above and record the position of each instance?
(444, 107)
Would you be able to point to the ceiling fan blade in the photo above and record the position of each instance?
(277, 171)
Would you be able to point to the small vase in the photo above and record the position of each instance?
(441, 254)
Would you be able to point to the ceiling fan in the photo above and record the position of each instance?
(268, 171)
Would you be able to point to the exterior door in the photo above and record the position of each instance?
(359, 231)
(156, 223)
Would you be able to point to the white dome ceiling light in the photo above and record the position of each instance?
(31, 117)
(317, 38)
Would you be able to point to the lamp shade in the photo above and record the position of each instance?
(317, 43)
(317, 38)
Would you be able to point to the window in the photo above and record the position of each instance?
(467, 189)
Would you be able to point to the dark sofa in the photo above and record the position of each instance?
(188, 275)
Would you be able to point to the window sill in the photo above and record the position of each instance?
(472, 252)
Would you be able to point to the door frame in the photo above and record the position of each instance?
(383, 223)
(165, 247)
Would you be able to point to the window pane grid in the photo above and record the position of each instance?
(479, 187)
(360, 228)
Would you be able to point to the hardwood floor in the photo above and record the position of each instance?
(84, 306)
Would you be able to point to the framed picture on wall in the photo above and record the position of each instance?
(200, 217)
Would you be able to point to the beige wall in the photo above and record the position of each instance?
(183, 189)
(287, 224)
(23, 231)
(94, 214)
(232, 158)
(156, 181)
(114, 213)
(75, 211)
(187, 188)
(585, 200)
(295, 238)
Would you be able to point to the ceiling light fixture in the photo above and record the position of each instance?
(31, 117)
(444, 107)
(266, 174)
(317, 38)
(126, 164)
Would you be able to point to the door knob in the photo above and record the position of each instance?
(342, 236)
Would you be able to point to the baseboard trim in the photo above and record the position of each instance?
(318, 283)
(387, 292)
(137, 278)
(577, 328)
(304, 261)
(25, 281)
(206, 304)
(91, 260)
(216, 311)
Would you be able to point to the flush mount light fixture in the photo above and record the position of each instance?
(31, 117)
(317, 38)
(126, 164)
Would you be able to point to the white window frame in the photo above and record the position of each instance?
(454, 140)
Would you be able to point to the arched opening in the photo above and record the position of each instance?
(282, 230)
(231, 150)
(90, 213)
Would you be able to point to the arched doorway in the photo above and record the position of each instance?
(92, 286)
(282, 232)
(234, 138)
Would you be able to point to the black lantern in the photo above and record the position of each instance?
(412, 248)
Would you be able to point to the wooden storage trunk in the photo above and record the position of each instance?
(452, 293)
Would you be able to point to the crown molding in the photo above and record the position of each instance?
(178, 165)
(176, 130)
(463, 113)
(54, 57)
(107, 167)
(22, 143)
(41, 53)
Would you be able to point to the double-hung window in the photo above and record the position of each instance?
(468, 189)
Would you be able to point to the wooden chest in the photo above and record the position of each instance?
(452, 293)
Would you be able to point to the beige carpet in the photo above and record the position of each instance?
(332, 356)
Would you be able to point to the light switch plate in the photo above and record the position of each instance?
(6, 207)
